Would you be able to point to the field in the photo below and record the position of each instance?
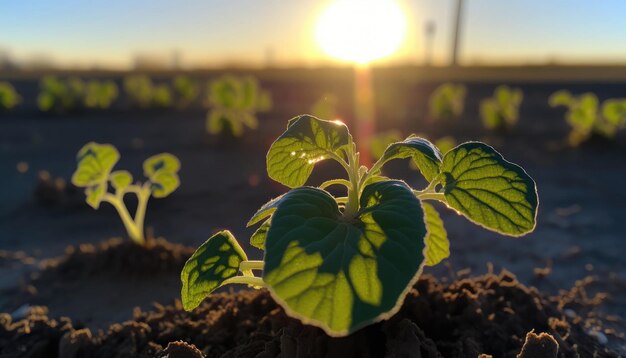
(223, 181)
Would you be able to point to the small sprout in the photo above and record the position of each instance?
(139, 89)
(586, 117)
(186, 90)
(342, 263)
(234, 102)
(161, 96)
(94, 173)
(501, 111)
(100, 94)
(447, 101)
(60, 96)
(9, 98)
(325, 106)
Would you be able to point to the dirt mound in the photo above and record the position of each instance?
(490, 314)
(117, 257)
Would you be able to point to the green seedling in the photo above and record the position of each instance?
(139, 90)
(100, 94)
(586, 117)
(343, 262)
(234, 102)
(60, 95)
(186, 90)
(447, 101)
(325, 106)
(501, 111)
(94, 173)
(161, 96)
(9, 97)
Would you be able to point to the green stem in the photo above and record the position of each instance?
(328, 183)
(143, 196)
(250, 265)
(135, 233)
(246, 280)
(352, 206)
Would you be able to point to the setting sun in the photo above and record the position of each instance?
(361, 31)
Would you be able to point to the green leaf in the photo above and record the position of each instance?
(425, 155)
(213, 262)
(307, 141)
(120, 179)
(266, 210)
(342, 274)
(437, 244)
(488, 190)
(95, 193)
(164, 183)
(258, 238)
(161, 163)
(95, 162)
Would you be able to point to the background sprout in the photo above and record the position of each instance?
(9, 98)
(234, 102)
(94, 173)
(100, 94)
(344, 262)
(186, 90)
(139, 89)
(501, 111)
(586, 117)
(325, 106)
(161, 96)
(447, 101)
(380, 141)
(60, 96)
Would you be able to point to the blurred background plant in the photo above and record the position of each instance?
(60, 96)
(186, 90)
(9, 97)
(587, 118)
(234, 103)
(501, 111)
(447, 101)
(100, 94)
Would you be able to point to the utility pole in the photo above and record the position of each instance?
(457, 33)
(429, 41)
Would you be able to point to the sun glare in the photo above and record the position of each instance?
(361, 30)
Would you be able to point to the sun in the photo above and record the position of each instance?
(361, 30)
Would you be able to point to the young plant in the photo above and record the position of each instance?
(139, 89)
(342, 263)
(100, 94)
(94, 173)
(186, 90)
(586, 117)
(501, 111)
(447, 101)
(9, 98)
(234, 102)
(60, 96)
(325, 106)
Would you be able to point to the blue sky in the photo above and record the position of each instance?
(74, 32)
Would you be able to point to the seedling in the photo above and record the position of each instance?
(9, 98)
(59, 95)
(100, 94)
(501, 111)
(586, 117)
(234, 102)
(342, 263)
(447, 101)
(139, 89)
(94, 173)
(325, 106)
(186, 90)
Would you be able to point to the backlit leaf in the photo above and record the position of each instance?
(121, 179)
(488, 190)
(342, 274)
(95, 193)
(307, 141)
(424, 154)
(258, 238)
(95, 162)
(213, 262)
(160, 163)
(437, 244)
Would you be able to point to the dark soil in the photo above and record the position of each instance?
(490, 314)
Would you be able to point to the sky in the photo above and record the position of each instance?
(213, 32)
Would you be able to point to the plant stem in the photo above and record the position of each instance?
(352, 206)
(134, 232)
(246, 280)
(143, 196)
(250, 265)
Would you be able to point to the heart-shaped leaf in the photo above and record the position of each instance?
(488, 190)
(214, 262)
(307, 141)
(437, 244)
(425, 155)
(95, 194)
(341, 274)
(266, 210)
(164, 183)
(95, 162)
(160, 163)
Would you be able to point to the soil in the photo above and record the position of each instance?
(490, 314)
